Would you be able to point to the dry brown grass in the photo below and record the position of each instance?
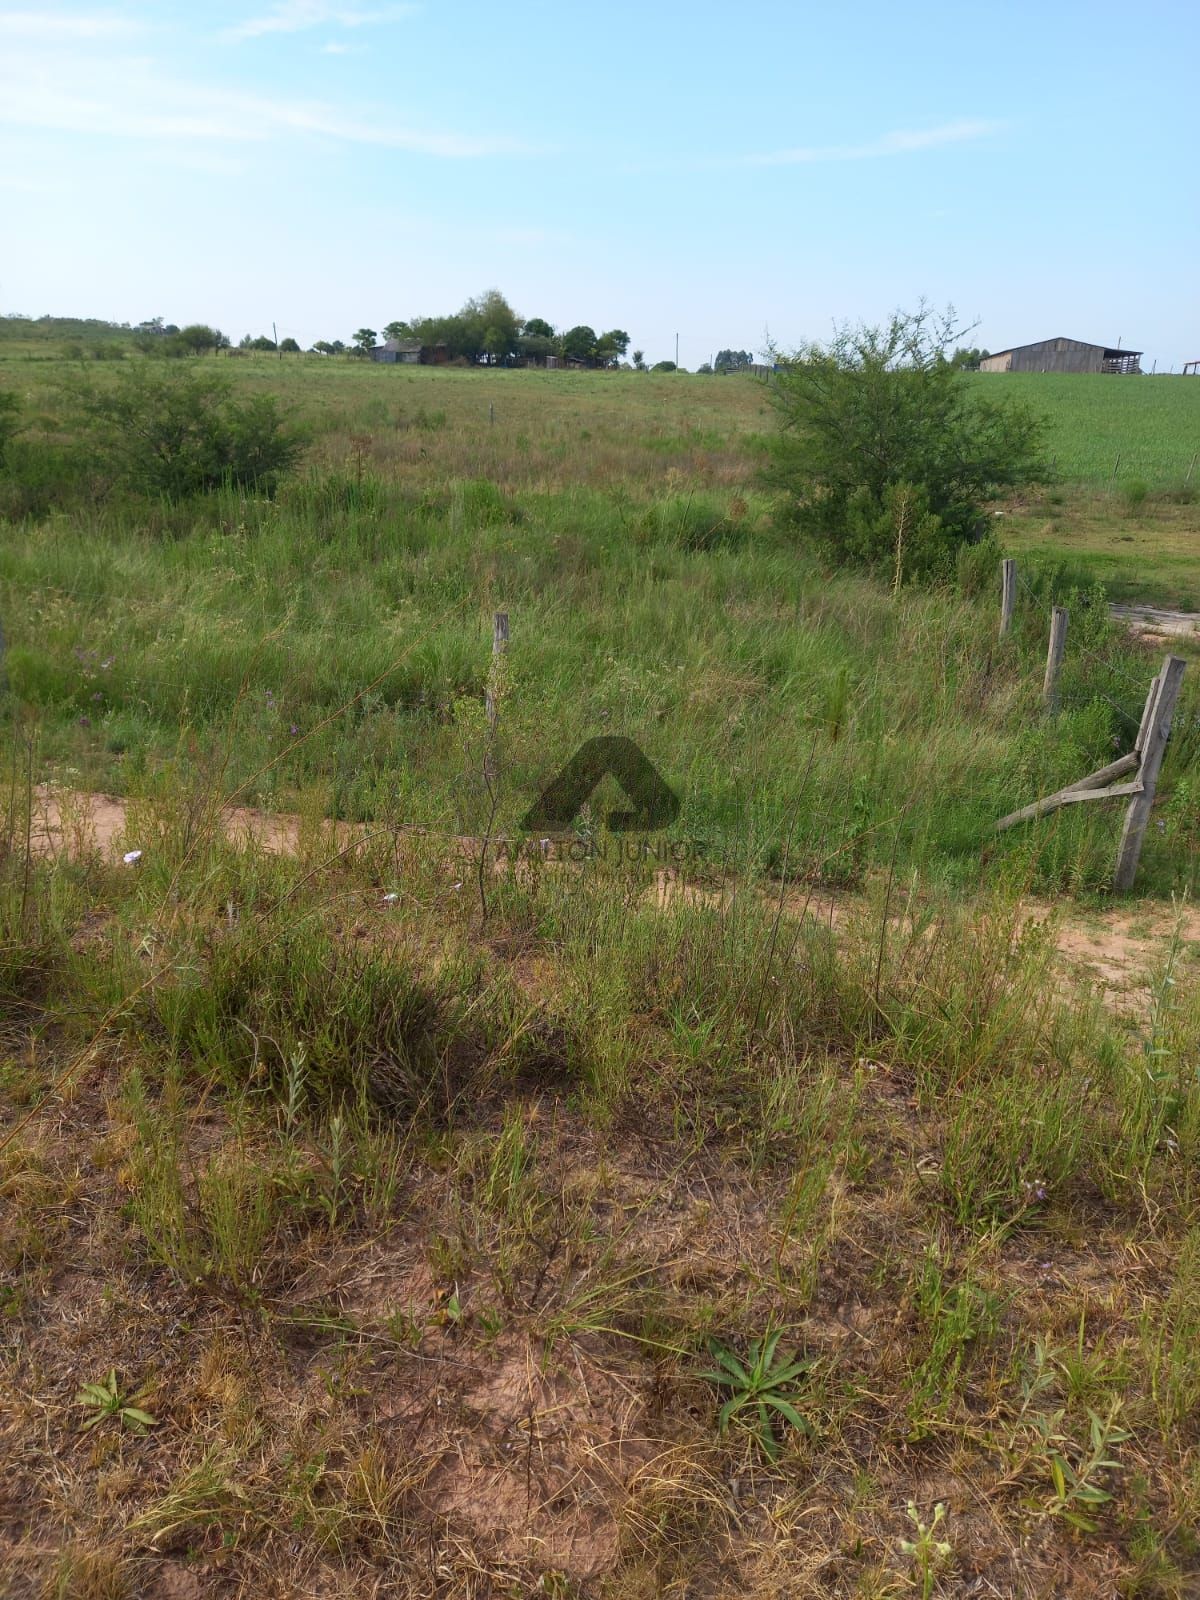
(492, 1389)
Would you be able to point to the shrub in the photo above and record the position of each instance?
(887, 452)
(178, 433)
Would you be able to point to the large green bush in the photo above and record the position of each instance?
(173, 433)
(888, 453)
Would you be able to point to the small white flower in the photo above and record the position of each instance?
(390, 899)
(131, 857)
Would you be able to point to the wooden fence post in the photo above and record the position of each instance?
(499, 647)
(1156, 726)
(1008, 593)
(1054, 657)
(494, 689)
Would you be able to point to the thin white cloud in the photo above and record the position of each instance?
(57, 28)
(335, 49)
(295, 16)
(898, 143)
(134, 99)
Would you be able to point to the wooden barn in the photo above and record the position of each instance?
(411, 352)
(1062, 355)
(392, 350)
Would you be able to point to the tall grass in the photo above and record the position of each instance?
(330, 648)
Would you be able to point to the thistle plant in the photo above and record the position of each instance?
(104, 1400)
(761, 1384)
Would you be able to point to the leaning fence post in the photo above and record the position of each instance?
(1008, 593)
(1156, 726)
(1147, 713)
(1054, 657)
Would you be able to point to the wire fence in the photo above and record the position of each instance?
(1116, 668)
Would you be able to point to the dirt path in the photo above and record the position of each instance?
(1122, 949)
(82, 824)
(1158, 626)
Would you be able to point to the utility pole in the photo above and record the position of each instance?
(275, 336)
(676, 349)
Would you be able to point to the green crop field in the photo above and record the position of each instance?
(799, 1197)
(1142, 429)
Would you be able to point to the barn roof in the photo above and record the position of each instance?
(1111, 352)
(402, 346)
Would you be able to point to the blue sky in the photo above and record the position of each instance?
(717, 170)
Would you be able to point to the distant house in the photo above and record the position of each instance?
(393, 350)
(1063, 355)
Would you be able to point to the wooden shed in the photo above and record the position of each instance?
(1063, 355)
(392, 350)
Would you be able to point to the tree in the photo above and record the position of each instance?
(733, 361)
(497, 344)
(397, 330)
(579, 343)
(639, 361)
(663, 366)
(289, 347)
(364, 340)
(537, 346)
(494, 326)
(704, 366)
(538, 328)
(611, 346)
(485, 329)
(968, 357)
(198, 337)
(888, 453)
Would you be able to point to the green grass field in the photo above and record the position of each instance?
(1143, 429)
(385, 1214)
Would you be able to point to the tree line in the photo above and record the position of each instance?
(488, 332)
